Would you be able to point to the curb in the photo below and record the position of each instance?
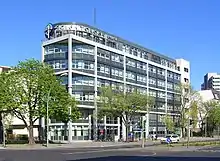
(67, 147)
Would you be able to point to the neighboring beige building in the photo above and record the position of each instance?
(4, 68)
(206, 95)
(184, 67)
(18, 127)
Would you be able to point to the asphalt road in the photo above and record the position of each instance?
(104, 154)
(211, 149)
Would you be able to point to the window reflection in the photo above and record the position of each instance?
(103, 68)
(58, 64)
(81, 64)
(85, 49)
(117, 72)
(130, 75)
(83, 80)
(84, 96)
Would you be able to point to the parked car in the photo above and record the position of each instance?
(172, 137)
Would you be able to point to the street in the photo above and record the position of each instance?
(104, 154)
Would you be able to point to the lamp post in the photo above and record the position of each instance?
(48, 98)
(3, 129)
(142, 133)
(188, 132)
(70, 127)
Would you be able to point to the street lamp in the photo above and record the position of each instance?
(3, 129)
(188, 132)
(48, 98)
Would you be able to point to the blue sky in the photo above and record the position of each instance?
(180, 29)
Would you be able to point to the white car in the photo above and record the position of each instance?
(172, 138)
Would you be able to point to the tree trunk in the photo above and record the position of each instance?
(127, 132)
(31, 135)
(183, 133)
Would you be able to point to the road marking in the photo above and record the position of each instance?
(86, 152)
(106, 150)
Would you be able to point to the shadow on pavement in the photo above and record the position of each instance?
(150, 158)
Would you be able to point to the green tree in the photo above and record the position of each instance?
(193, 113)
(25, 92)
(214, 117)
(123, 105)
(204, 110)
(169, 123)
(188, 96)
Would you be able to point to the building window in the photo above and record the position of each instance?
(117, 58)
(186, 90)
(186, 80)
(186, 70)
(141, 78)
(170, 107)
(81, 96)
(103, 83)
(58, 64)
(130, 88)
(117, 86)
(141, 65)
(80, 64)
(161, 71)
(152, 81)
(126, 48)
(117, 72)
(130, 75)
(161, 94)
(177, 87)
(164, 62)
(176, 76)
(177, 97)
(169, 85)
(152, 93)
(103, 68)
(161, 106)
(142, 90)
(161, 83)
(88, 81)
(152, 69)
(103, 53)
(144, 55)
(170, 75)
(171, 65)
(85, 49)
(130, 62)
(170, 96)
(55, 48)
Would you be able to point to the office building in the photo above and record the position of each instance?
(211, 82)
(86, 58)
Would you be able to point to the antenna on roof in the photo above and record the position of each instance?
(94, 17)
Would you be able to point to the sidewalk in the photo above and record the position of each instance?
(74, 145)
(191, 139)
(148, 144)
(174, 148)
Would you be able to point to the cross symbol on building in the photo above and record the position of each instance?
(48, 30)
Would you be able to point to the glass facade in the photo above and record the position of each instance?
(115, 70)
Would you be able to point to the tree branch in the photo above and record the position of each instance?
(35, 119)
(21, 117)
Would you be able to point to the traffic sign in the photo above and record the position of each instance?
(168, 140)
